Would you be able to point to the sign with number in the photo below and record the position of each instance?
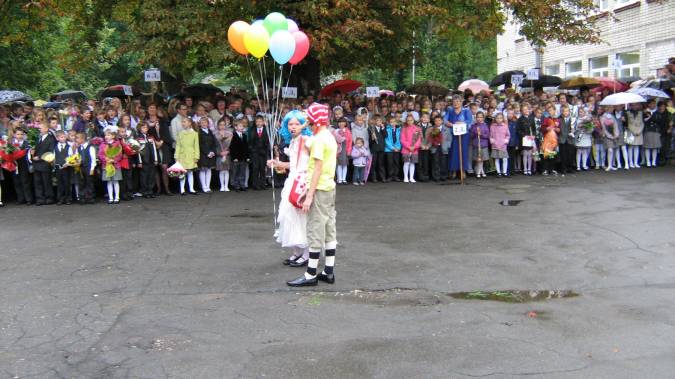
(528, 141)
(533, 74)
(128, 91)
(459, 128)
(516, 80)
(153, 75)
(289, 92)
(372, 91)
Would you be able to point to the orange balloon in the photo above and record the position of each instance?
(235, 35)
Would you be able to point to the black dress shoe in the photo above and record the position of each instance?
(327, 278)
(299, 262)
(168, 193)
(302, 282)
(288, 261)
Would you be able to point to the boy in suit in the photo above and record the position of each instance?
(87, 168)
(148, 159)
(62, 170)
(378, 134)
(259, 153)
(42, 175)
(21, 177)
(240, 156)
(424, 153)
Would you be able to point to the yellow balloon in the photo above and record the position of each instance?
(257, 40)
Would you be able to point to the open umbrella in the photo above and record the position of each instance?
(579, 82)
(342, 86)
(610, 84)
(201, 90)
(660, 83)
(505, 78)
(648, 92)
(543, 81)
(474, 85)
(68, 94)
(117, 91)
(622, 98)
(8, 96)
(386, 92)
(428, 88)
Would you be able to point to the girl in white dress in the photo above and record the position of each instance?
(292, 221)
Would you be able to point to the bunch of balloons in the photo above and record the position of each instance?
(281, 36)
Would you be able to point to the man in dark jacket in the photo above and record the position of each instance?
(42, 175)
(259, 152)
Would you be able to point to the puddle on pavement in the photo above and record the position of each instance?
(510, 203)
(398, 297)
(512, 296)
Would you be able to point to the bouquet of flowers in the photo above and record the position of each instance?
(33, 136)
(9, 154)
(135, 145)
(436, 137)
(74, 161)
(96, 141)
(113, 156)
(176, 171)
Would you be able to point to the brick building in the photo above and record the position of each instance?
(637, 43)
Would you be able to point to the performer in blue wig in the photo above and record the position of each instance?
(285, 133)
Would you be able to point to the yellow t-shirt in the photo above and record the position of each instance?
(324, 148)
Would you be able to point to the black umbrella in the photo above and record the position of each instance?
(543, 81)
(662, 84)
(53, 105)
(428, 88)
(117, 91)
(505, 78)
(68, 94)
(7, 96)
(201, 90)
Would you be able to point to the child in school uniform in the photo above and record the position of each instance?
(239, 155)
(392, 149)
(110, 154)
(434, 137)
(223, 140)
(343, 137)
(499, 140)
(187, 154)
(513, 146)
(411, 140)
(583, 138)
(42, 170)
(128, 156)
(147, 161)
(21, 176)
(480, 136)
(87, 169)
(207, 154)
(360, 154)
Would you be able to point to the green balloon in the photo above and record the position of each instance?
(275, 21)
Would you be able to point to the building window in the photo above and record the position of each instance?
(602, 4)
(573, 69)
(629, 64)
(553, 69)
(599, 66)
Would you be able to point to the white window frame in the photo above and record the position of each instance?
(602, 71)
(602, 5)
(574, 73)
(556, 73)
(623, 3)
(630, 67)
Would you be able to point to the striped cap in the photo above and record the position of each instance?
(318, 114)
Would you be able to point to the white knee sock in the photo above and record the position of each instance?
(655, 153)
(525, 168)
(406, 165)
(610, 158)
(191, 180)
(584, 157)
(505, 165)
(224, 179)
(636, 155)
(202, 179)
(110, 190)
(207, 179)
(498, 166)
(412, 172)
(116, 186)
(182, 184)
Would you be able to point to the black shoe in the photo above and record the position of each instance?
(193, 193)
(168, 193)
(300, 262)
(110, 201)
(49, 202)
(327, 278)
(288, 261)
(302, 282)
(67, 203)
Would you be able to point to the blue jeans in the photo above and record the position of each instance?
(359, 174)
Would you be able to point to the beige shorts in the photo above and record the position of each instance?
(321, 221)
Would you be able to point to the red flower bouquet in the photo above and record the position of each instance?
(9, 154)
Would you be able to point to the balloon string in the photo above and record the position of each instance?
(274, 199)
(255, 87)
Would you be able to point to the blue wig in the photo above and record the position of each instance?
(285, 133)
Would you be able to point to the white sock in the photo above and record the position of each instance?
(584, 157)
(610, 158)
(116, 185)
(406, 165)
(224, 179)
(110, 190)
(182, 184)
(505, 165)
(498, 166)
(412, 172)
(208, 179)
(191, 181)
(636, 155)
(202, 179)
(655, 153)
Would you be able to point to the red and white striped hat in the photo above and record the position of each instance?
(318, 114)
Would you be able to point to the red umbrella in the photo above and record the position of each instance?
(344, 86)
(610, 84)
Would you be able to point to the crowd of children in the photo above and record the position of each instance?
(128, 151)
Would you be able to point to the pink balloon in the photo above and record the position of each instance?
(301, 47)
